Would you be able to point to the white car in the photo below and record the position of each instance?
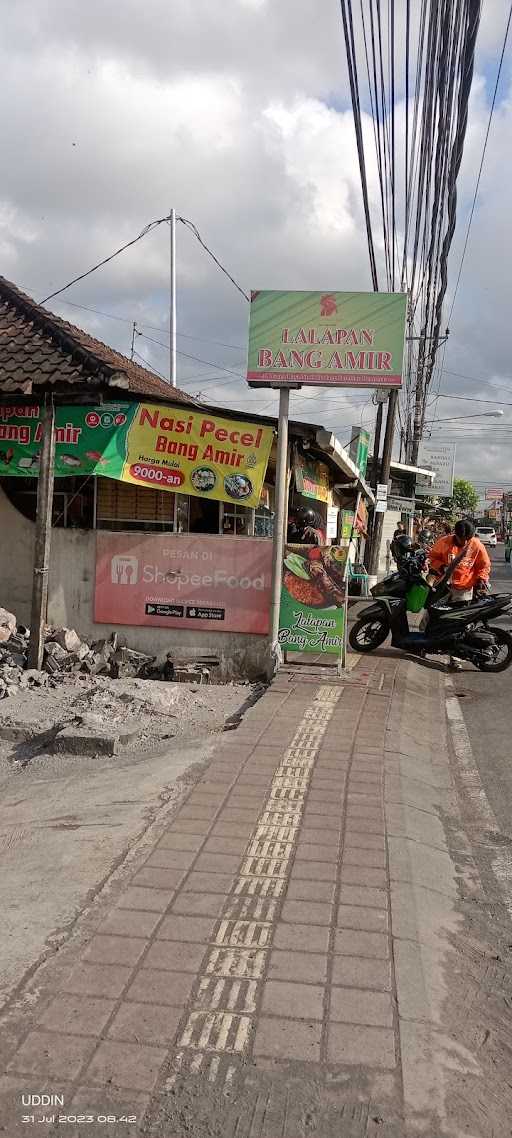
(487, 535)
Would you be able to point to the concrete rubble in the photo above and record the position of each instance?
(66, 653)
(101, 697)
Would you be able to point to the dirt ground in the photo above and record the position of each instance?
(67, 821)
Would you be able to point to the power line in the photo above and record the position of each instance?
(154, 327)
(193, 228)
(147, 229)
(482, 160)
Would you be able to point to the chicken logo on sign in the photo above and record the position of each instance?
(328, 306)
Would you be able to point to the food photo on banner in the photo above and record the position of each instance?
(312, 611)
(145, 444)
(334, 339)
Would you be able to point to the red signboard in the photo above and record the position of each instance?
(183, 581)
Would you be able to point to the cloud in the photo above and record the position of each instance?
(238, 115)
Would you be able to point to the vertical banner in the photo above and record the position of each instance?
(312, 613)
(358, 450)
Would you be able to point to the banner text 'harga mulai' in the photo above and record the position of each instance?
(162, 446)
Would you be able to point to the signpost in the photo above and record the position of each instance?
(329, 339)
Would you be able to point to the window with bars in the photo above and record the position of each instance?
(122, 506)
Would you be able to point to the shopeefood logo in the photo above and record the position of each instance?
(217, 579)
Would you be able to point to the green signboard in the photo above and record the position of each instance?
(326, 339)
(359, 444)
(312, 612)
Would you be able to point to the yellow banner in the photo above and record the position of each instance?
(198, 454)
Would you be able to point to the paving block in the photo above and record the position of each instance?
(357, 917)
(358, 1005)
(286, 998)
(129, 1065)
(304, 938)
(97, 980)
(365, 1046)
(82, 1015)
(114, 950)
(307, 912)
(145, 1023)
(152, 986)
(49, 1054)
(146, 900)
(288, 1039)
(308, 967)
(177, 956)
(354, 942)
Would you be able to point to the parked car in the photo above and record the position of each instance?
(487, 535)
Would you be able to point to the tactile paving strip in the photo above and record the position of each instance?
(226, 993)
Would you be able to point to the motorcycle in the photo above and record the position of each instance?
(456, 630)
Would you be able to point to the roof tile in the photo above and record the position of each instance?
(38, 348)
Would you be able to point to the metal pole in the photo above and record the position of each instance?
(42, 538)
(172, 311)
(281, 511)
(378, 522)
(376, 445)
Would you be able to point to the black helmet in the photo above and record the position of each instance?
(308, 517)
(403, 544)
(425, 537)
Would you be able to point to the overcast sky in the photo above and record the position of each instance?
(237, 113)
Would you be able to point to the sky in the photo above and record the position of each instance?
(237, 114)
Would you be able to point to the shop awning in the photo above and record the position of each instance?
(330, 445)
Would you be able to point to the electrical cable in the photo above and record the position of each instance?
(482, 160)
(147, 229)
(190, 225)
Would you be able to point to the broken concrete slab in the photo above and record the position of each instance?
(7, 624)
(67, 638)
(86, 739)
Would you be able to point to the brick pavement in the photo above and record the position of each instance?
(243, 984)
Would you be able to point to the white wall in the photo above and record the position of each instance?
(391, 520)
(71, 594)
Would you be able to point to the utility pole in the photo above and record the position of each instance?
(134, 333)
(172, 310)
(373, 561)
(42, 537)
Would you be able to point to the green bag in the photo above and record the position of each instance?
(416, 597)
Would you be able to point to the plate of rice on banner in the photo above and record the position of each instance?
(316, 579)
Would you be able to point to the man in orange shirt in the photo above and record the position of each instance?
(473, 570)
(471, 574)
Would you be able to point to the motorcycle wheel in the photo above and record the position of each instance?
(368, 633)
(504, 659)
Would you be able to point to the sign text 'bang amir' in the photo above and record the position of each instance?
(336, 339)
(167, 447)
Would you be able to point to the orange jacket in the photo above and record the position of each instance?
(475, 565)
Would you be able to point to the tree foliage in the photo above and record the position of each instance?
(464, 499)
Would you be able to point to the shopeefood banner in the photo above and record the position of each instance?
(333, 339)
(144, 443)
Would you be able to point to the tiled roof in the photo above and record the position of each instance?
(38, 349)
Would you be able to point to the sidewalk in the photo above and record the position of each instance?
(287, 960)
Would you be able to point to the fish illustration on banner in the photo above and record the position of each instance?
(167, 447)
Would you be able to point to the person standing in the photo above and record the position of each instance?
(471, 574)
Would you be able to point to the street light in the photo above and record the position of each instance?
(481, 415)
